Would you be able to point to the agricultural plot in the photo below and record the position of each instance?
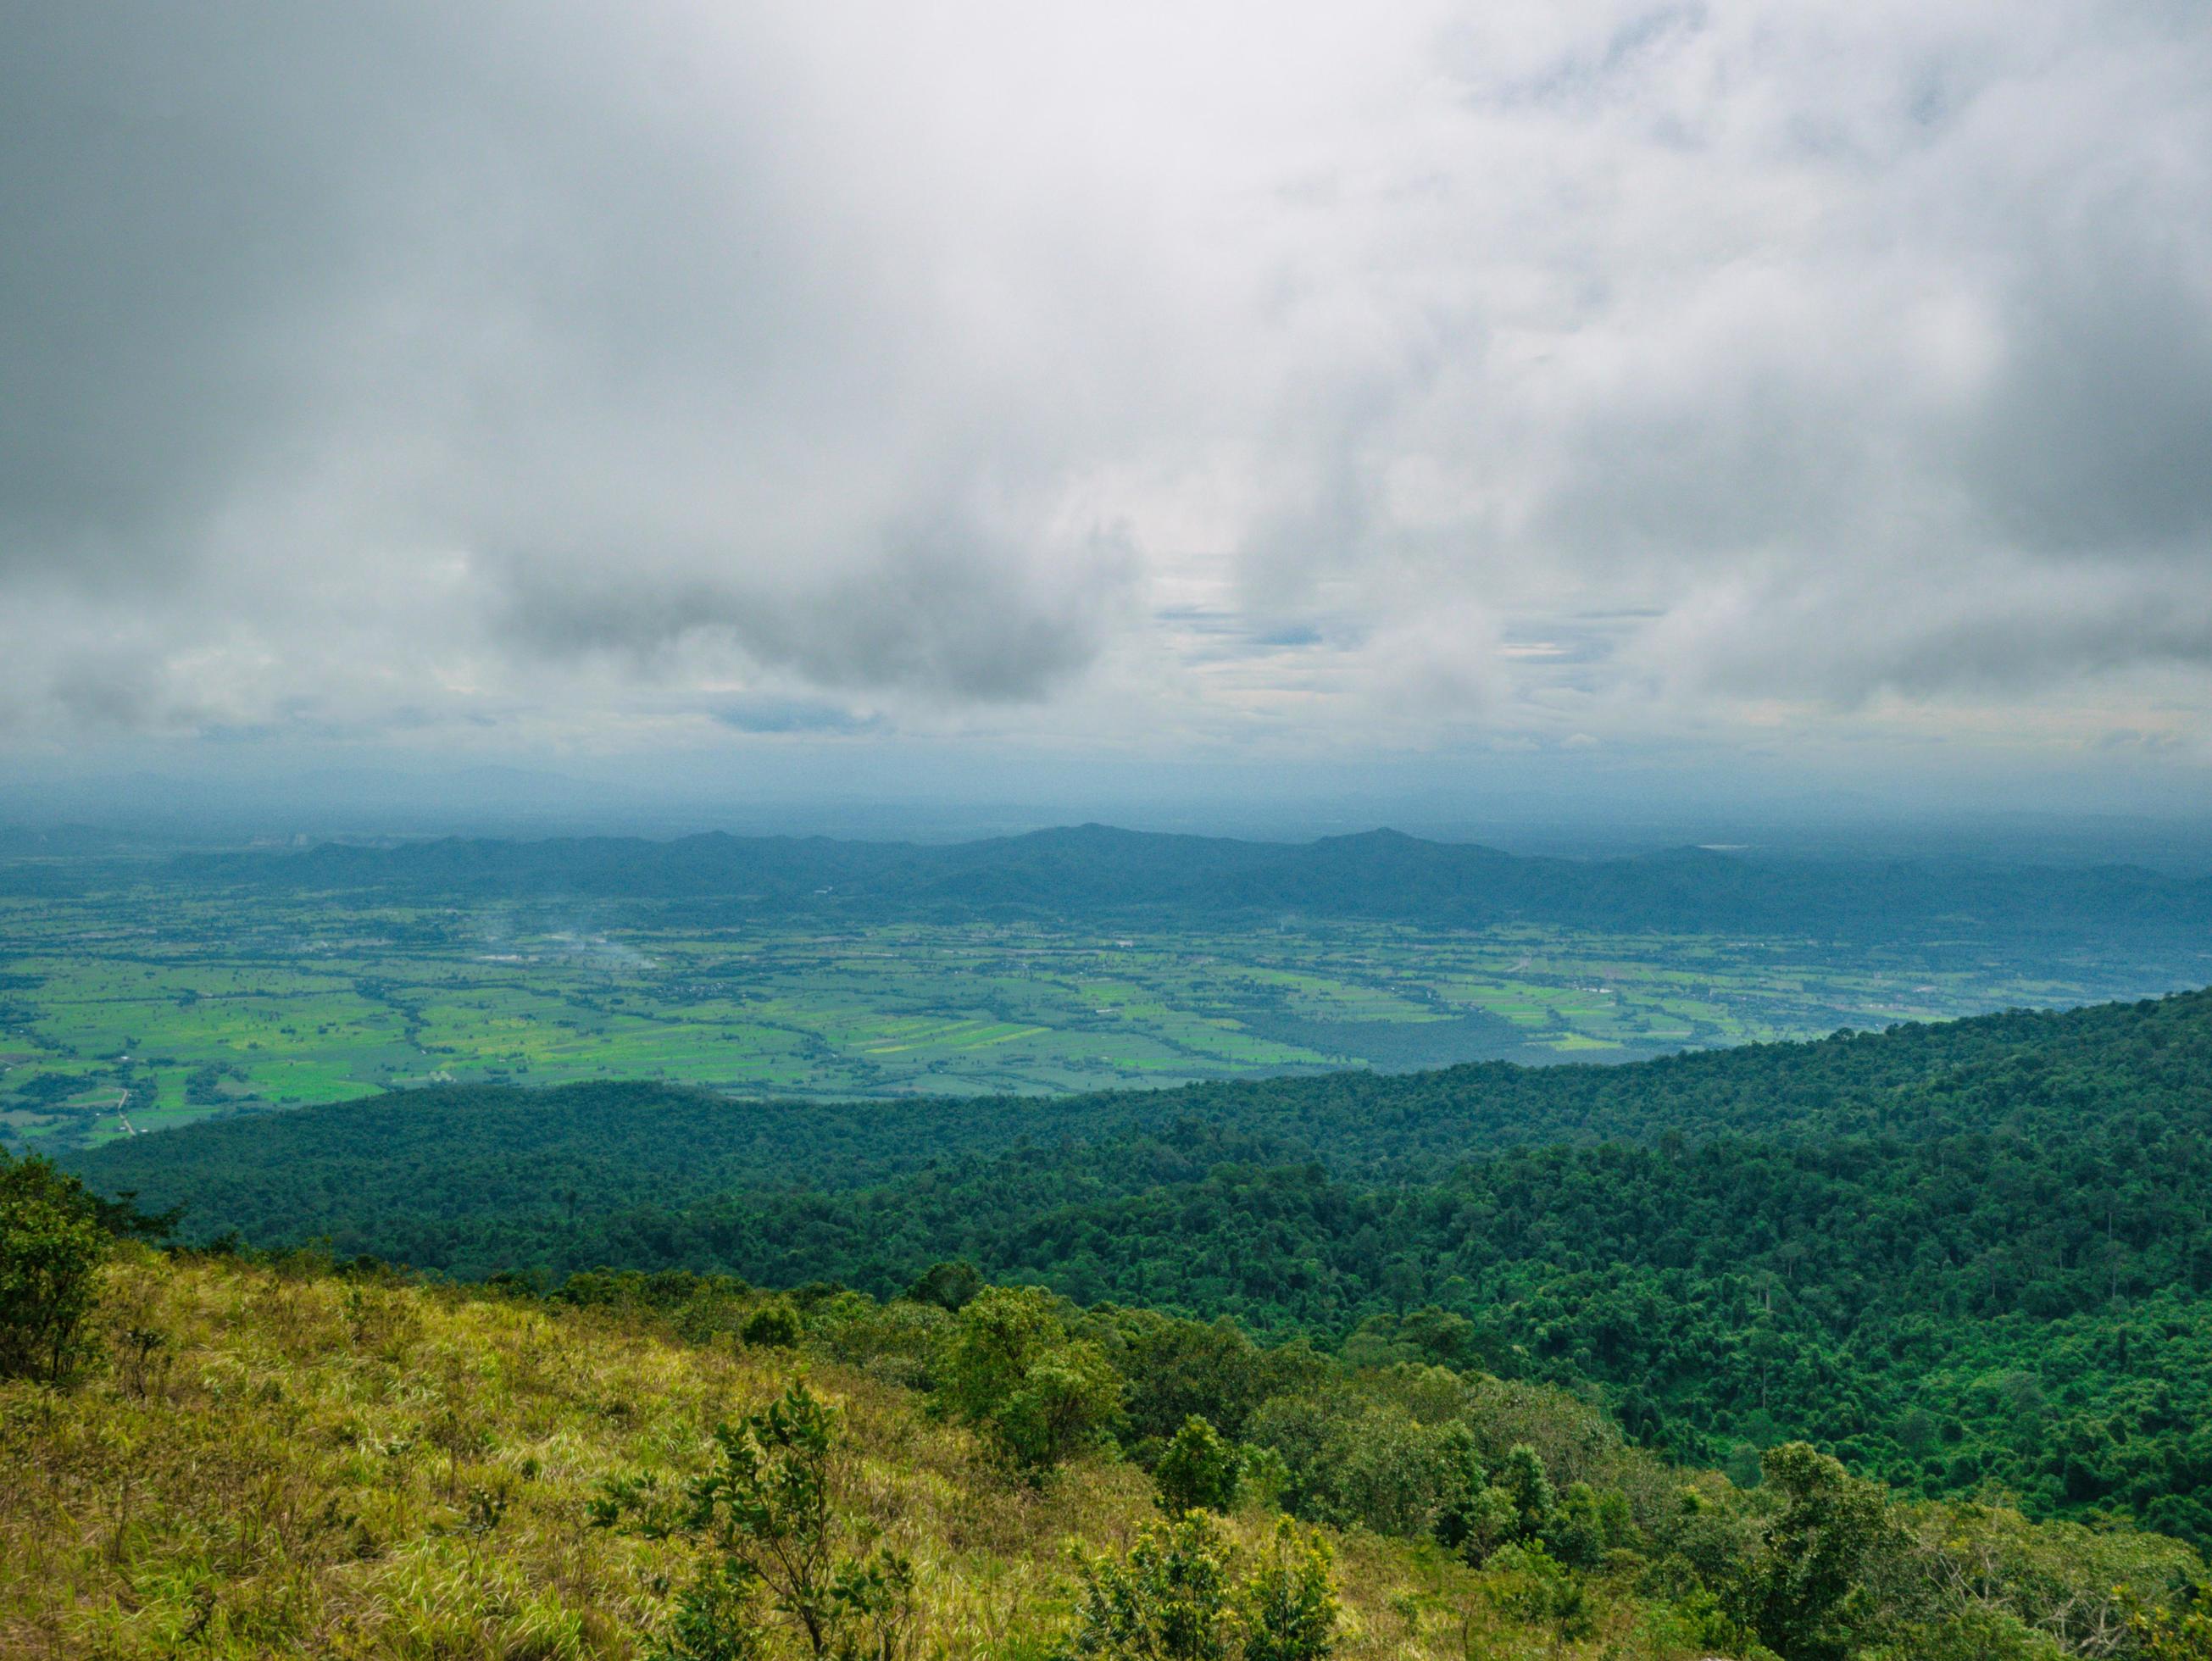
(124, 1013)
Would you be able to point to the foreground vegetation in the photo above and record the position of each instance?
(236, 1457)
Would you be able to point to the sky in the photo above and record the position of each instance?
(1817, 392)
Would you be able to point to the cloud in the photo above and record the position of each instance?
(1145, 375)
(946, 606)
(2094, 434)
(2006, 627)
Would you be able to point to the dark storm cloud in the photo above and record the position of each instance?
(2019, 627)
(161, 261)
(942, 607)
(569, 367)
(2096, 436)
(293, 290)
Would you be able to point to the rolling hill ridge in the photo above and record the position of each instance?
(1095, 870)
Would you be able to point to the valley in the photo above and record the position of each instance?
(132, 999)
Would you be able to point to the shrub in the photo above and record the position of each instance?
(771, 1510)
(774, 1325)
(51, 1246)
(1289, 1607)
(1176, 1597)
(1169, 1601)
(717, 1619)
(1527, 1583)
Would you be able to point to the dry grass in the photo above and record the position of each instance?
(274, 1464)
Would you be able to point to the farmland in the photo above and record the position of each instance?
(154, 1004)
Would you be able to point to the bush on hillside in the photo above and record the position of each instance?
(51, 1245)
(1198, 1472)
(1013, 1371)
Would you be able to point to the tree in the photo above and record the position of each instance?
(1198, 1472)
(2182, 1634)
(949, 1285)
(1804, 1593)
(1474, 1517)
(1577, 1532)
(1175, 1368)
(1478, 1523)
(1011, 1370)
(51, 1245)
(1351, 1461)
(1521, 1476)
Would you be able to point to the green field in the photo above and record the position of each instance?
(149, 1006)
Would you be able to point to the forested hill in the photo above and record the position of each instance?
(1959, 1254)
(1096, 872)
(458, 1150)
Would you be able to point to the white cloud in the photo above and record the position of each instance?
(1151, 376)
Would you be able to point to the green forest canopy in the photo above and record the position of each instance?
(1964, 1256)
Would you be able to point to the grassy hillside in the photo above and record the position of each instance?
(277, 1458)
(305, 1463)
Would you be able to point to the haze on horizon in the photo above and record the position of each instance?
(1716, 401)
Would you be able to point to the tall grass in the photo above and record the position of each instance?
(281, 1460)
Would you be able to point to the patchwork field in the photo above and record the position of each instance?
(144, 1007)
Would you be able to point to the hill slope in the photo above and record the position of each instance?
(276, 1459)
